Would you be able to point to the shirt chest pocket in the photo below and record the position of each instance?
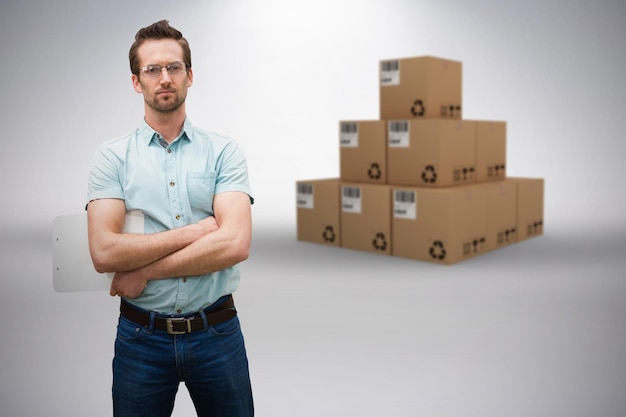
(201, 189)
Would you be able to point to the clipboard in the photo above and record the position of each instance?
(72, 268)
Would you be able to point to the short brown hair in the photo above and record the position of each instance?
(158, 30)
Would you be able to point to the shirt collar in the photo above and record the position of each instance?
(147, 134)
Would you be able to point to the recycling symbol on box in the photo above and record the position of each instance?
(418, 108)
(379, 242)
(429, 174)
(329, 234)
(437, 250)
(374, 171)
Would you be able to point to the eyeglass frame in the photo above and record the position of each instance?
(160, 67)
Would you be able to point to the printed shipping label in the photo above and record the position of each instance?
(389, 73)
(351, 199)
(399, 134)
(305, 196)
(349, 135)
(405, 205)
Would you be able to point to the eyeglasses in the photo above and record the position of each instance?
(156, 70)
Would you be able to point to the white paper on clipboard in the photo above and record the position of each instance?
(72, 268)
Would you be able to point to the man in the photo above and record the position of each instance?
(177, 320)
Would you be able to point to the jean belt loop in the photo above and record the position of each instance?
(151, 325)
(204, 321)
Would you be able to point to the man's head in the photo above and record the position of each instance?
(160, 60)
(157, 31)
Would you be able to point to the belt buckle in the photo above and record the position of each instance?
(169, 325)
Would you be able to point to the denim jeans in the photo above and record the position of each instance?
(149, 364)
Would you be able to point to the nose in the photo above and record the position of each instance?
(165, 76)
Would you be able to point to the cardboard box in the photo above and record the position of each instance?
(318, 211)
(363, 151)
(490, 150)
(501, 213)
(444, 226)
(530, 197)
(366, 217)
(431, 152)
(420, 87)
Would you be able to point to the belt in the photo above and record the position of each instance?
(182, 325)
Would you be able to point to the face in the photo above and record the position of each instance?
(165, 93)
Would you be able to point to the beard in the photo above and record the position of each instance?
(165, 106)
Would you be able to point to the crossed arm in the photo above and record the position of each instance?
(210, 245)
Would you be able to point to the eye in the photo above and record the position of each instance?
(152, 69)
(175, 67)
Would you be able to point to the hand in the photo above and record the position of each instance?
(128, 284)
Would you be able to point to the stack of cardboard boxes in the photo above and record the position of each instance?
(421, 182)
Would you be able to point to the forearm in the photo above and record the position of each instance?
(226, 244)
(213, 252)
(125, 251)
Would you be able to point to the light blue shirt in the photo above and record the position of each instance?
(173, 186)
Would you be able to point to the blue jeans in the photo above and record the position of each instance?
(149, 364)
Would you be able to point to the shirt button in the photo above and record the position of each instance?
(172, 183)
(178, 217)
(178, 311)
(169, 151)
(184, 279)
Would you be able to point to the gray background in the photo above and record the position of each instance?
(533, 329)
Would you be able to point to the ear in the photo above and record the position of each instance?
(136, 84)
(189, 77)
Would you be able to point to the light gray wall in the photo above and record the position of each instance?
(277, 76)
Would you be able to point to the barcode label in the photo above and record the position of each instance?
(398, 134)
(351, 199)
(390, 65)
(304, 196)
(404, 205)
(404, 196)
(399, 126)
(348, 127)
(389, 73)
(348, 135)
(305, 188)
(352, 192)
